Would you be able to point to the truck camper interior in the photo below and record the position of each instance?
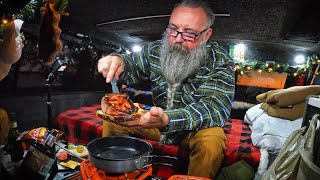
(49, 53)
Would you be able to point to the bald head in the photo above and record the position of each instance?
(199, 4)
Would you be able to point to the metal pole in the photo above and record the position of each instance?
(48, 85)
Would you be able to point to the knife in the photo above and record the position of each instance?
(114, 86)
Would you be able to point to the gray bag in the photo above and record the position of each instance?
(294, 160)
(307, 168)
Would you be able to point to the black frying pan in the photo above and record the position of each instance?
(119, 154)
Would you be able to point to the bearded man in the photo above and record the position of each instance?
(192, 83)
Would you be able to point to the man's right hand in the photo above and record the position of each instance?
(111, 66)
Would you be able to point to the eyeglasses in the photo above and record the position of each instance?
(187, 36)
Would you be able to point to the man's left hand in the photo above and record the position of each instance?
(155, 118)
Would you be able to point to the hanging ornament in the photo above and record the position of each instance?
(300, 81)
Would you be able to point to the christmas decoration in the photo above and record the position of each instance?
(15, 9)
(260, 66)
(49, 39)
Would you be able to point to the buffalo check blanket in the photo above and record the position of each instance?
(80, 126)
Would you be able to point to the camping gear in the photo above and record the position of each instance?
(237, 171)
(120, 154)
(289, 164)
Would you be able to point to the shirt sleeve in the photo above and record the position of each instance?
(214, 106)
(137, 67)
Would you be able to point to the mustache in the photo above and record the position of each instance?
(177, 62)
(178, 48)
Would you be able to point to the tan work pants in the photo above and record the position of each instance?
(207, 146)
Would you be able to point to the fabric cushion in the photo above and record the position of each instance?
(80, 126)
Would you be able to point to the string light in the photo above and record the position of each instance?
(4, 21)
(27, 12)
(278, 67)
(236, 67)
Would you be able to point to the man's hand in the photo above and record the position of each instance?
(155, 118)
(111, 66)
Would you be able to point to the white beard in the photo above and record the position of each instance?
(177, 63)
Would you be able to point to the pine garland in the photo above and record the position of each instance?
(28, 12)
(61, 5)
(25, 13)
(260, 66)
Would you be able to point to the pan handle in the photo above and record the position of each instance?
(145, 160)
(161, 163)
(156, 156)
(141, 161)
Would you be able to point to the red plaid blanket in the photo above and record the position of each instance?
(239, 145)
(81, 126)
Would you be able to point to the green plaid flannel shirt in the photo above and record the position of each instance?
(203, 100)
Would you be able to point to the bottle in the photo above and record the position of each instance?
(14, 142)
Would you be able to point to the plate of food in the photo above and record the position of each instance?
(118, 108)
(78, 150)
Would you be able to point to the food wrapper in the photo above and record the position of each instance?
(79, 150)
(36, 162)
(39, 135)
(62, 155)
(70, 164)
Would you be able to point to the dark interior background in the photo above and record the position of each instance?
(281, 27)
(272, 30)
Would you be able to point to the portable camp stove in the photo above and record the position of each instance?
(90, 172)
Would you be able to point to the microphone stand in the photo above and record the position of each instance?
(58, 66)
(49, 109)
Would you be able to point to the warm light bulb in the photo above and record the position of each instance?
(136, 48)
(237, 67)
(4, 21)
